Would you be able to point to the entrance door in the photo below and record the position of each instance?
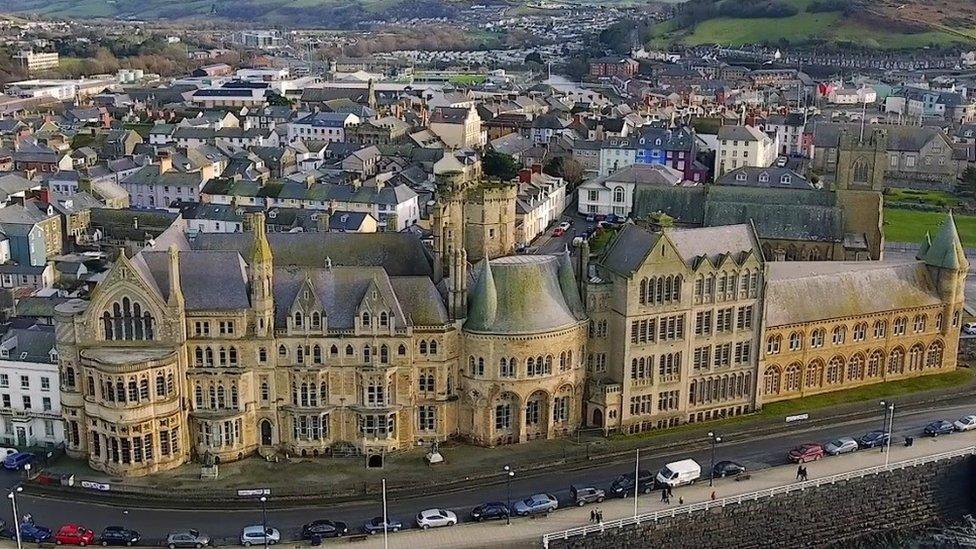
(266, 432)
(597, 417)
(21, 436)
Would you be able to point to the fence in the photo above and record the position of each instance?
(751, 496)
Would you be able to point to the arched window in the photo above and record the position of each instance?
(221, 397)
(365, 318)
(933, 355)
(232, 356)
(814, 374)
(433, 346)
(367, 354)
(128, 320)
(160, 385)
(773, 344)
(796, 341)
(300, 354)
(234, 400)
(209, 359)
(213, 397)
(423, 346)
(198, 396)
(860, 171)
(316, 319)
(792, 376)
(384, 354)
(840, 335)
(817, 338)
(384, 319)
(334, 351)
(298, 319)
(875, 363)
(835, 370)
(896, 361)
(282, 351)
(643, 290)
(915, 355)
(317, 354)
(618, 194)
(771, 380)
(402, 350)
(855, 368)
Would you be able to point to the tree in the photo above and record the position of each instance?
(968, 183)
(500, 165)
(565, 167)
(534, 57)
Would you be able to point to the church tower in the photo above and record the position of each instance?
(262, 273)
(860, 176)
(945, 258)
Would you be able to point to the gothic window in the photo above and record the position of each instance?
(855, 368)
(298, 319)
(128, 321)
(384, 319)
(365, 319)
(771, 380)
(860, 171)
(814, 371)
(915, 357)
(317, 354)
(933, 356)
(433, 346)
(875, 363)
(402, 350)
(384, 354)
(835, 370)
(316, 319)
(423, 346)
(896, 361)
(793, 377)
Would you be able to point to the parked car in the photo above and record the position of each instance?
(493, 510)
(72, 534)
(17, 460)
(558, 231)
(587, 494)
(324, 529)
(965, 423)
(187, 538)
(941, 427)
(435, 518)
(4, 452)
(873, 439)
(257, 535)
(623, 486)
(535, 504)
(969, 328)
(565, 225)
(34, 533)
(727, 469)
(811, 451)
(678, 473)
(591, 217)
(117, 535)
(375, 525)
(842, 445)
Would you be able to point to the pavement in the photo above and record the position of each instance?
(762, 456)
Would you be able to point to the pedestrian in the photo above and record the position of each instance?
(799, 473)
(593, 515)
(667, 496)
(664, 494)
(670, 492)
(681, 501)
(713, 495)
(599, 515)
(805, 477)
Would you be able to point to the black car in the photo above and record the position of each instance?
(324, 529)
(623, 485)
(117, 535)
(727, 469)
(375, 525)
(493, 510)
(873, 439)
(941, 427)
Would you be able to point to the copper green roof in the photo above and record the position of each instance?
(946, 249)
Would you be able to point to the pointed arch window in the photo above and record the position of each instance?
(128, 320)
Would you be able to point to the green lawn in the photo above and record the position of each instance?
(911, 225)
(938, 199)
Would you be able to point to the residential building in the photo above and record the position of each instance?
(743, 146)
(322, 126)
(540, 203)
(614, 193)
(35, 61)
(457, 127)
(30, 397)
(620, 67)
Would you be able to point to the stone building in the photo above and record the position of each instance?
(822, 331)
(478, 214)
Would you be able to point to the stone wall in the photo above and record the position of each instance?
(830, 515)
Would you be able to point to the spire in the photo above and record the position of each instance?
(260, 250)
(484, 297)
(924, 246)
(946, 251)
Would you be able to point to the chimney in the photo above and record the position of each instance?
(165, 161)
(323, 222)
(525, 175)
(537, 168)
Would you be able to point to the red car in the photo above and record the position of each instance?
(72, 534)
(803, 453)
(559, 231)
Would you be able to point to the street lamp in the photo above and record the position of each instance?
(13, 504)
(27, 468)
(889, 410)
(264, 519)
(715, 439)
(509, 473)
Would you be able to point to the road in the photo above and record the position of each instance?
(546, 243)
(754, 453)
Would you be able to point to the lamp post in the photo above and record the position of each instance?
(715, 439)
(386, 520)
(264, 519)
(889, 409)
(13, 504)
(509, 473)
(27, 468)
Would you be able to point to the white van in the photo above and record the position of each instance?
(679, 473)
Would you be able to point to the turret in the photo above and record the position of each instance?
(458, 297)
(262, 273)
(175, 298)
(946, 260)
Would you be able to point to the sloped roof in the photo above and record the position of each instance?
(522, 294)
(945, 250)
(420, 300)
(810, 291)
(212, 280)
(340, 290)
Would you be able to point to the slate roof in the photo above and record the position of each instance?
(900, 137)
(212, 280)
(523, 294)
(449, 115)
(340, 290)
(420, 300)
(149, 175)
(741, 133)
(810, 291)
(36, 341)
(751, 176)
(400, 254)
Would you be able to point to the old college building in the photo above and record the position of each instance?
(316, 343)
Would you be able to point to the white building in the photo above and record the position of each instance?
(743, 146)
(30, 404)
(37, 61)
(540, 201)
(614, 193)
(322, 126)
(616, 154)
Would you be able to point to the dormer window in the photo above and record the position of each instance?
(54, 356)
(23, 355)
(763, 177)
(4, 352)
(384, 319)
(298, 319)
(785, 179)
(365, 318)
(740, 176)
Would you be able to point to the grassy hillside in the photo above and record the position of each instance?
(332, 13)
(804, 27)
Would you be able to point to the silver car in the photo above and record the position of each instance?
(435, 518)
(257, 535)
(535, 504)
(187, 538)
(843, 445)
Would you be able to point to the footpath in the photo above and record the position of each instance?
(528, 532)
